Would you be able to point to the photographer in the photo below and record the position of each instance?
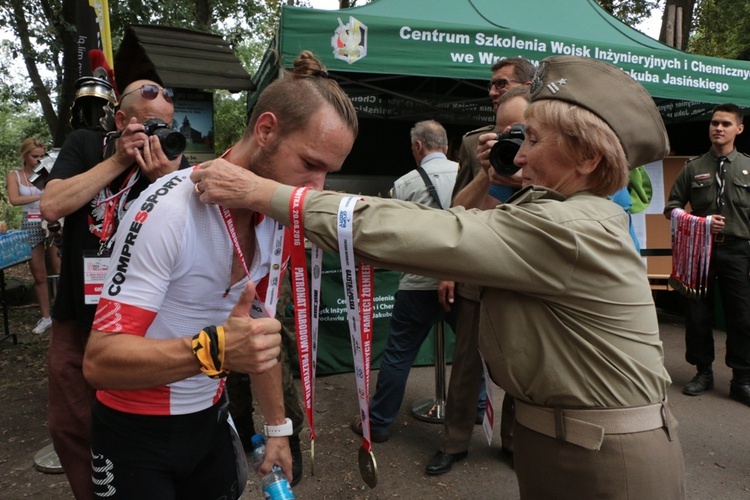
(91, 184)
(466, 382)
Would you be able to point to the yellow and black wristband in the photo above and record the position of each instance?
(208, 347)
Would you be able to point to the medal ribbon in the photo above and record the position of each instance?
(360, 344)
(306, 312)
(691, 252)
(366, 292)
(266, 309)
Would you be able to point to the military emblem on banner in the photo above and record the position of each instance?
(349, 41)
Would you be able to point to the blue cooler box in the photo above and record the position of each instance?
(14, 248)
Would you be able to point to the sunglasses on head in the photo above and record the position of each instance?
(500, 83)
(150, 91)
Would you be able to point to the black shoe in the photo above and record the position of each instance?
(479, 419)
(442, 462)
(703, 381)
(356, 426)
(296, 460)
(739, 390)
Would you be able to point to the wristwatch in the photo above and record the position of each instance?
(284, 429)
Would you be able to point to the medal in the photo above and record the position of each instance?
(312, 457)
(368, 467)
(360, 331)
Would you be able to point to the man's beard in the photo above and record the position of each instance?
(262, 164)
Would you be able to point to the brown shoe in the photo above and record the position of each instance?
(356, 426)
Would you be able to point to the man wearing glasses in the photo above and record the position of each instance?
(92, 183)
(465, 388)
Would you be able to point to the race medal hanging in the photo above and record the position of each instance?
(360, 337)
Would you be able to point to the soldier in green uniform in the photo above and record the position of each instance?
(716, 184)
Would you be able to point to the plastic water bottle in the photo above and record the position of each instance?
(275, 484)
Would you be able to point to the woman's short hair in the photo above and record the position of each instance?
(299, 93)
(581, 136)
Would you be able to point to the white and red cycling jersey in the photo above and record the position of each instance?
(169, 277)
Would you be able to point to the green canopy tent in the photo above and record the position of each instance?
(431, 57)
(404, 61)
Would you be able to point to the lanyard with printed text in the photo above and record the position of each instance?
(306, 308)
(359, 335)
(267, 308)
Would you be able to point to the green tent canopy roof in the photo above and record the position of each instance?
(436, 54)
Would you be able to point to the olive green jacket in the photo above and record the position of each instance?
(567, 316)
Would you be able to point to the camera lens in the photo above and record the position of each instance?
(503, 153)
(172, 143)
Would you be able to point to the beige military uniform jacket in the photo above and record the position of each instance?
(574, 323)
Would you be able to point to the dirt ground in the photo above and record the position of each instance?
(713, 432)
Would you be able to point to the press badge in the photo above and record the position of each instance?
(95, 268)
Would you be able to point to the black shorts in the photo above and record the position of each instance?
(164, 457)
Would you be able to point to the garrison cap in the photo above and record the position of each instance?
(613, 96)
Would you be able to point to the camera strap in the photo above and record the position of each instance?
(430, 187)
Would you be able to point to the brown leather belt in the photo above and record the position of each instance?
(587, 427)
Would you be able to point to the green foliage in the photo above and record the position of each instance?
(246, 25)
(722, 29)
(631, 12)
(229, 119)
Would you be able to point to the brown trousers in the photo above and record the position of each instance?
(638, 466)
(69, 408)
(466, 382)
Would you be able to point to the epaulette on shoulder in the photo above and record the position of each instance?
(744, 154)
(482, 130)
(697, 157)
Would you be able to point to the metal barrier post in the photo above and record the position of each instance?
(433, 409)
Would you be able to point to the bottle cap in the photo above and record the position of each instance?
(257, 440)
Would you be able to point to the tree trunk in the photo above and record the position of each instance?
(202, 15)
(676, 23)
(668, 25)
(29, 59)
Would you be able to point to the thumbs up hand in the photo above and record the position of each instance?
(252, 345)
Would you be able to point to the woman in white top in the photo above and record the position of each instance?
(22, 192)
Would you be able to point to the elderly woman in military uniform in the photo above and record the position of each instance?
(568, 325)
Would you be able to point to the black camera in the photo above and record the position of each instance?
(505, 149)
(172, 143)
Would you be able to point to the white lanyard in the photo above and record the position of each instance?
(268, 307)
(360, 342)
